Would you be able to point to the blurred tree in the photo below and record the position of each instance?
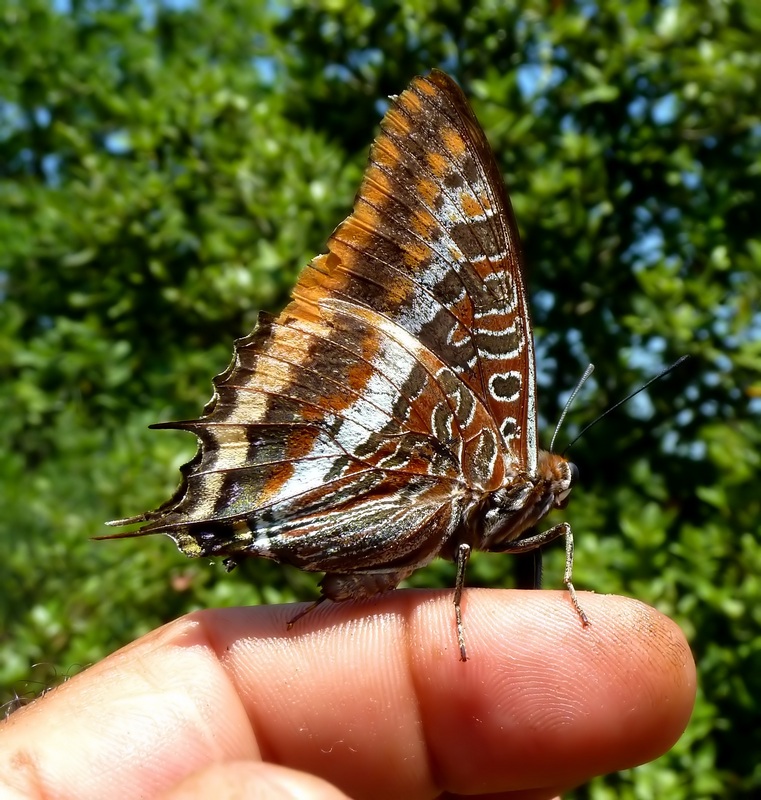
(166, 168)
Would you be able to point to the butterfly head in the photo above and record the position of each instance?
(519, 505)
(558, 476)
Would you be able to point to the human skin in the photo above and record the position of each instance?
(368, 699)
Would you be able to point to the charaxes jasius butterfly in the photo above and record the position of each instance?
(388, 415)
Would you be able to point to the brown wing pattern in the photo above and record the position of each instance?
(329, 436)
(396, 386)
(433, 245)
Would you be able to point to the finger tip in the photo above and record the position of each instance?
(601, 697)
(541, 701)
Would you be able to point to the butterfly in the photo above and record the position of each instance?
(388, 415)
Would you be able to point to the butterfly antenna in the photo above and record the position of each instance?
(587, 372)
(626, 399)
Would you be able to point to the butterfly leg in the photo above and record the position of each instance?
(539, 540)
(463, 556)
(304, 611)
(568, 574)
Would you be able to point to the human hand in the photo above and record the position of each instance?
(371, 697)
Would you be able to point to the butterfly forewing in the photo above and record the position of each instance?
(432, 244)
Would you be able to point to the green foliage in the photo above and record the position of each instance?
(167, 168)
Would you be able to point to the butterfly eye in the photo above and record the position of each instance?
(562, 499)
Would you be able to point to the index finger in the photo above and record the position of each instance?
(373, 697)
